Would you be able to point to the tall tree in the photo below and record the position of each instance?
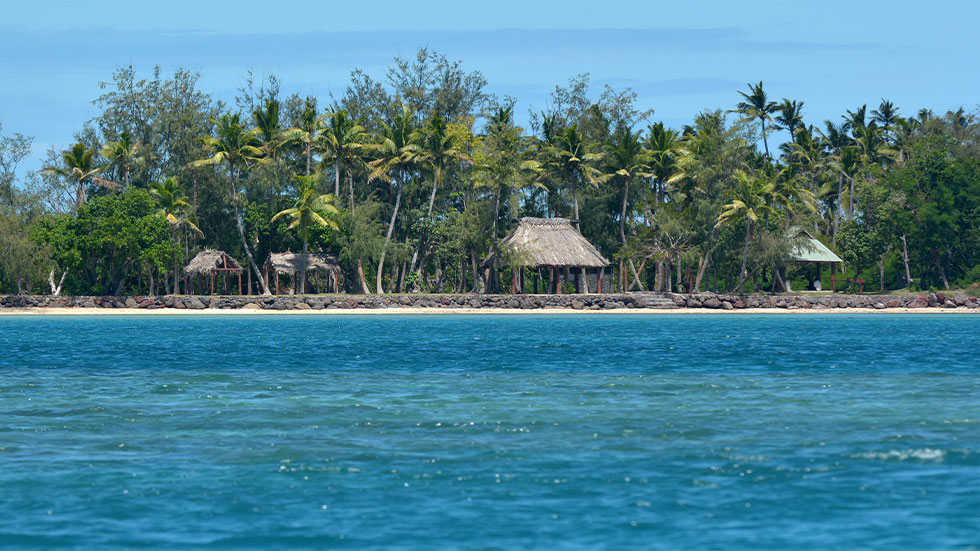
(78, 165)
(569, 160)
(625, 161)
(756, 105)
(398, 155)
(234, 145)
(345, 141)
(173, 207)
(123, 153)
(790, 116)
(748, 199)
(310, 209)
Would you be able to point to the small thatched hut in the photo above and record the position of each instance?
(554, 244)
(297, 263)
(209, 262)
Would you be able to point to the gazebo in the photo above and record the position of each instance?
(296, 263)
(553, 244)
(211, 261)
(806, 249)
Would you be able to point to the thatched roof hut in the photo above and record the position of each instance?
(550, 242)
(295, 263)
(209, 261)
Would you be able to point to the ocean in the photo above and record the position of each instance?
(490, 432)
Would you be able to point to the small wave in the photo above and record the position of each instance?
(922, 454)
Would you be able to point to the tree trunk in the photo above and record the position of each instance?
(56, 289)
(391, 229)
(350, 184)
(309, 155)
(302, 277)
(173, 238)
(837, 211)
(360, 275)
(622, 211)
(477, 281)
(905, 260)
(881, 274)
(745, 256)
(241, 232)
(703, 263)
(765, 142)
(336, 180)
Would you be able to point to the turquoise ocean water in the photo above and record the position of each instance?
(490, 432)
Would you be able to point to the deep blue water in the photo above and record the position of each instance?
(496, 432)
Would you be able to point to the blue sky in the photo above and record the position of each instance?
(680, 56)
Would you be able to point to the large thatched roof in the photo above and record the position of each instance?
(550, 242)
(210, 260)
(292, 263)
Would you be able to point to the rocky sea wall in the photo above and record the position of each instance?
(622, 301)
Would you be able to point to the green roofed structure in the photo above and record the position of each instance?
(806, 249)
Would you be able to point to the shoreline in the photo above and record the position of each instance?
(29, 312)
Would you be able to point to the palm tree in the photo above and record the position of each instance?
(308, 131)
(790, 116)
(626, 160)
(398, 152)
(310, 209)
(886, 115)
(757, 106)
(124, 154)
(344, 140)
(568, 161)
(439, 147)
(662, 144)
(748, 199)
(175, 209)
(234, 145)
(79, 165)
(269, 135)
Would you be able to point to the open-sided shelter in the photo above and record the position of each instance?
(554, 244)
(209, 262)
(806, 249)
(296, 263)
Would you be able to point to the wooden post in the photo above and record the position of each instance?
(557, 280)
(249, 275)
(513, 281)
(536, 271)
(240, 293)
(212, 282)
(599, 279)
(277, 282)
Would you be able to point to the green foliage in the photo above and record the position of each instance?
(106, 242)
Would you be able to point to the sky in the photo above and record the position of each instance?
(680, 56)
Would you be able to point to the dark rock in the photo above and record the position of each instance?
(919, 302)
(727, 306)
(949, 304)
(933, 299)
(960, 299)
(693, 303)
(712, 303)
(146, 303)
(739, 304)
(194, 304)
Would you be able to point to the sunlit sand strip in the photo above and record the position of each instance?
(463, 311)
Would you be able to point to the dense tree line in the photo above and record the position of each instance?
(411, 181)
